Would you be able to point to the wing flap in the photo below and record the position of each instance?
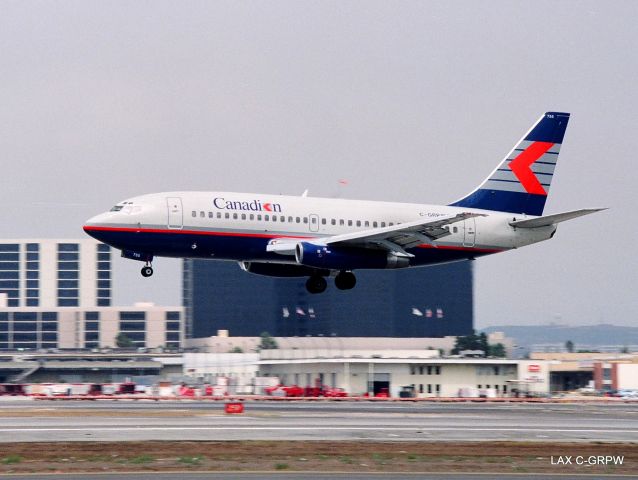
(404, 235)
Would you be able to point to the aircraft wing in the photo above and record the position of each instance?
(553, 219)
(396, 238)
(399, 237)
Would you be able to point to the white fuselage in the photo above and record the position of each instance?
(238, 226)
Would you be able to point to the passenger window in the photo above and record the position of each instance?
(298, 220)
(455, 229)
(342, 222)
(219, 214)
(367, 223)
(358, 223)
(305, 219)
(382, 224)
(333, 222)
(313, 220)
(323, 221)
(210, 214)
(259, 217)
(194, 213)
(274, 218)
(289, 219)
(349, 223)
(252, 217)
(234, 216)
(227, 215)
(374, 224)
(390, 224)
(243, 216)
(202, 214)
(282, 219)
(266, 217)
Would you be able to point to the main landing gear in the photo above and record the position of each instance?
(316, 284)
(147, 270)
(343, 281)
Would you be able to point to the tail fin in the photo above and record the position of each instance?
(520, 184)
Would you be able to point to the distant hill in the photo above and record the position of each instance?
(586, 336)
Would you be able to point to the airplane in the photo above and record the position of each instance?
(301, 236)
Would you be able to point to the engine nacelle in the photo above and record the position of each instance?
(281, 269)
(346, 258)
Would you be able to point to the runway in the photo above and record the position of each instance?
(22, 421)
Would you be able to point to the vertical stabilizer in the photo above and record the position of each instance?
(520, 184)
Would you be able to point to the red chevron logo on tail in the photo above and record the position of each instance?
(521, 167)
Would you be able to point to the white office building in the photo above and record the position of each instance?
(53, 273)
(145, 325)
(56, 294)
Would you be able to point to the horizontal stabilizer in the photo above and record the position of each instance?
(553, 219)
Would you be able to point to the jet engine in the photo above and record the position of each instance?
(346, 258)
(281, 269)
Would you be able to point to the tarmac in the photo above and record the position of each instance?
(31, 421)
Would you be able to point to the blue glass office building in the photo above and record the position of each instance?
(419, 302)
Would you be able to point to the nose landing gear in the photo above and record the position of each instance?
(147, 271)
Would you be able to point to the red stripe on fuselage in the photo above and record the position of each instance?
(187, 232)
(258, 235)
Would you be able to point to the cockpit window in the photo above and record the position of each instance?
(117, 208)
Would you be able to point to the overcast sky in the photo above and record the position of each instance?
(409, 101)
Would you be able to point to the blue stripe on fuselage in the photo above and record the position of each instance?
(179, 244)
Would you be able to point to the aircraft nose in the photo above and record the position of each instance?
(93, 224)
(94, 221)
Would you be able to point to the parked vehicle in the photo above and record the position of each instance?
(13, 389)
(334, 392)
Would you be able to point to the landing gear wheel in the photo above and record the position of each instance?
(147, 271)
(345, 280)
(316, 284)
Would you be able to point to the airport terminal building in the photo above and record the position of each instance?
(422, 371)
(433, 301)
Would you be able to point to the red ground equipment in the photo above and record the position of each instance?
(234, 407)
